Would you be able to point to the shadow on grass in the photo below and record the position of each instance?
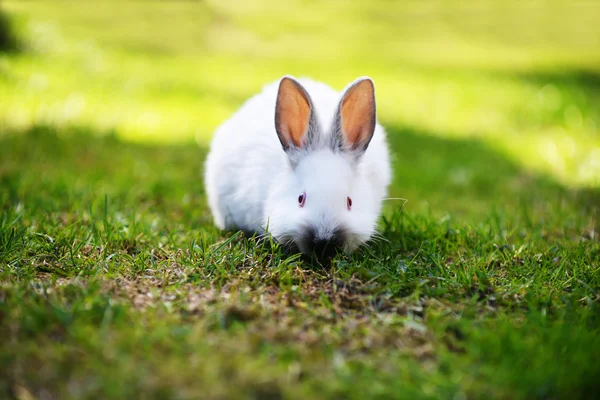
(587, 80)
(468, 175)
(77, 170)
(446, 182)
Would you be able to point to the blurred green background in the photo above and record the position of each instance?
(522, 78)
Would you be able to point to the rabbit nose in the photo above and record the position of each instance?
(325, 248)
(323, 244)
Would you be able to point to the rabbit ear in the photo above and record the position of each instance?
(293, 114)
(355, 118)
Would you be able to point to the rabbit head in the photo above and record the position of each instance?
(323, 201)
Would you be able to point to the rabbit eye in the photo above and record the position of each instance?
(302, 199)
(349, 203)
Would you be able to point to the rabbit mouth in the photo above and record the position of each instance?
(324, 246)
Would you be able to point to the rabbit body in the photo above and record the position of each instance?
(254, 183)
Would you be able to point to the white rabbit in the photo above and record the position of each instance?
(303, 164)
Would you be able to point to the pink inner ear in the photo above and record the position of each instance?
(358, 113)
(293, 112)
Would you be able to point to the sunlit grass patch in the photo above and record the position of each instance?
(179, 80)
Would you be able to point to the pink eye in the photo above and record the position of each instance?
(302, 199)
(349, 203)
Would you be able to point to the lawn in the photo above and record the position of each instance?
(115, 284)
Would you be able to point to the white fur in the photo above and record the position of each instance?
(252, 186)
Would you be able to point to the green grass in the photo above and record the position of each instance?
(115, 284)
